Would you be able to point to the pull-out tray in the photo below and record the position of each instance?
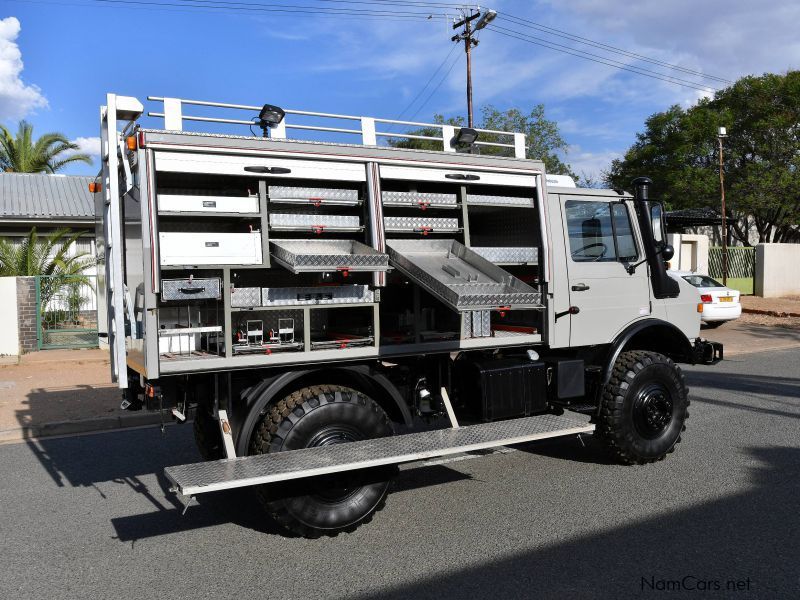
(422, 225)
(422, 200)
(487, 200)
(459, 277)
(509, 255)
(314, 256)
(317, 196)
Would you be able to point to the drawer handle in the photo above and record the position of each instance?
(209, 204)
(462, 176)
(212, 244)
(268, 170)
(192, 290)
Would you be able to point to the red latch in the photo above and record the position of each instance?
(423, 204)
(345, 271)
(502, 310)
(315, 201)
(343, 345)
(318, 229)
(423, 230)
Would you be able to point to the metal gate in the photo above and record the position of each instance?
(66, 311)
(741, 267)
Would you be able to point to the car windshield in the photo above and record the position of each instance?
(702, 281)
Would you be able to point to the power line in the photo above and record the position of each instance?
(599, 59)
(438, 85)
(425, 87)
(613, 49)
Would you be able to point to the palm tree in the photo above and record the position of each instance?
(21, 154)
(46, 256)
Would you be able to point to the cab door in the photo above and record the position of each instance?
(601, 243)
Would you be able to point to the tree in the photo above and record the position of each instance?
(679, 151)
(21, 154)
(45, 256)
(543, 139)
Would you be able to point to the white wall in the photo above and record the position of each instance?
(691, 252)
(9, 323)
(777, 270)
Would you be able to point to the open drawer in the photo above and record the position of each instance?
(314, 256)
(209, 248)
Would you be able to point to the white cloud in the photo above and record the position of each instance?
(88, 145)
(590, 164)
(16, 98)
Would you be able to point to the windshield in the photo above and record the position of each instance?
(702, 281)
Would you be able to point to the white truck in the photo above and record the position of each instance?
(328, 311)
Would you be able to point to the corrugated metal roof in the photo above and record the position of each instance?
(42, 196)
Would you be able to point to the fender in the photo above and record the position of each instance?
(670, 338)
(263, 393)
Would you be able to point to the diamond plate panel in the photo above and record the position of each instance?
(291, 221)
(419, 199)
(487, 200)
(345, 294)
(418, 223)
(244, 297)
(326, 255)
(267, 468)
(191, 289)
(508, 254)
(278, 193)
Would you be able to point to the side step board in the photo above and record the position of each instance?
(225, 474)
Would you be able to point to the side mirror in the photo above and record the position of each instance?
(667, 252)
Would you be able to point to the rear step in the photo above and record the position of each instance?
(225, 474)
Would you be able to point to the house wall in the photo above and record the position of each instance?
(9, 324)
(691, 252)
(26, 313)
(777, 273)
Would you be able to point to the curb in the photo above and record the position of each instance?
(770, 313)
(61, 428)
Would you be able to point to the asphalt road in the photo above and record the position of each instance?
(88, 517)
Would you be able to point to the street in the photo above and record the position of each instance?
(89, 517)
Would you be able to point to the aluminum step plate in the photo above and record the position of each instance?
(268, 468)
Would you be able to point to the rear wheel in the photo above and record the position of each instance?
(321, 416)
(643, 407)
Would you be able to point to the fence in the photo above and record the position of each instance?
(66, 311)
(741, 267)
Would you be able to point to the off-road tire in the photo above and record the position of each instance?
(331, 504)
(643, 407)
(207, 435)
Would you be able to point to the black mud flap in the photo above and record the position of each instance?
(707, 353)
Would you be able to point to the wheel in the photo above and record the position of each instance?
(713, 324)
(207, 435)
(643, 407)
(320, 416)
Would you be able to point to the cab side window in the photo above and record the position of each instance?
(600, 232)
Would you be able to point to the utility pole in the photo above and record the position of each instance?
(723, 133)
(469, 42)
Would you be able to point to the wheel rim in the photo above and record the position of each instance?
(652, 411)
(328, 436)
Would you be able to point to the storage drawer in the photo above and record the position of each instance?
(191, 289)
(457, 176)
(258, 166)
(340, 294)
(192, 248)
(420, 224)
(316, 196)
(313, 223)
(209, 204)
(245, 297)
(421, 200)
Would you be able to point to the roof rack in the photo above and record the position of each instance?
(174, 117)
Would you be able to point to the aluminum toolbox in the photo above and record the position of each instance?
(524, 255)
(314, 223)
(338, 294)
(245, 297)
(491, 200)
(459, 277)
(209, 248)
(207, 204)
(420, 224)
(316, 196)
(191, 289)
(300, 256)
(420, 199)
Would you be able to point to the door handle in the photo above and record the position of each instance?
(580, 287)
(268, 170)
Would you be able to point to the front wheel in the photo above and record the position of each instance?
(643, 407)
(320, 416)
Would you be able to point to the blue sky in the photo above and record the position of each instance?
(58, 60)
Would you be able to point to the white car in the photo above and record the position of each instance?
(720, 303)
